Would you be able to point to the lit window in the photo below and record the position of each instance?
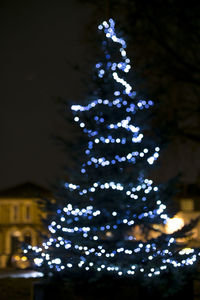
(187, 204)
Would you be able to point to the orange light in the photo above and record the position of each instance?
(108, 234)
(16, 257)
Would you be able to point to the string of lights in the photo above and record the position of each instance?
(101, 237)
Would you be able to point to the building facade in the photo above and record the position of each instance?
(189, 209)
(20, 221)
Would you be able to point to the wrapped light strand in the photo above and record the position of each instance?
(85, 226)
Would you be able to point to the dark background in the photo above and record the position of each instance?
(38, 40)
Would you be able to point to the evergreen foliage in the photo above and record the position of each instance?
(111, 217)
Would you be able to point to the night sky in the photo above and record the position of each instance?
(37, 42)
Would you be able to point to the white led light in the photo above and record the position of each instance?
(57, 261)
(38, 261)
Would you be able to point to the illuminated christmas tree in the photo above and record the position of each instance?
(113, 218)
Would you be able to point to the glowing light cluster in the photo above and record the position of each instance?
(117, 102)
(124, 65)
(123, 82)
(124, 124)
(133, 269)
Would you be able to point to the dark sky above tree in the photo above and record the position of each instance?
(38, 40)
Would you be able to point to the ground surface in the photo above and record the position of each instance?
(14, 285)
(15, 288)
(17, 284)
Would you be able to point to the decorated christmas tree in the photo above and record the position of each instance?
(112, 217)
